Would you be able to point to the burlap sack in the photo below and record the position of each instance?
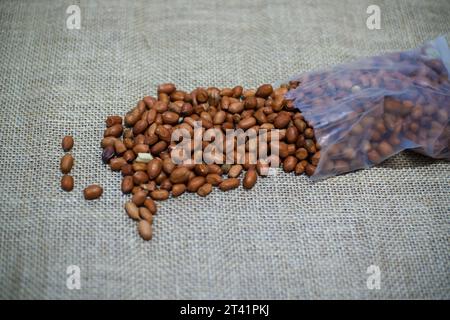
(287, 238)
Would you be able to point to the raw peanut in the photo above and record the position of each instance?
(166, 88)
(150, 186)
(291, 134)
(136, 189)
(170, 117)
(67, 143)
(236, 107)
(310, 146)
(144, 157)
(178, 189)
(159, 194)
(237, 92)
(127, 184)
(139, 197)
(201, 95)
(289, 163)
(264, 91)
(166, 184)
(214, 168)
(309, 133)
(93, 192)
(168, 166)
(260, 116)
(219, 117)
(291, 149)
(195, 183)
(160, 107)
(140, 127)
(201, 169)
(128, 142)
(154, 168)
(149, 101)
(282, 149)
(250, 179)
(158, 147)
(108, 153)
(204, 190)
(235, 171)
(225, 167)
(247, 123)
(116, 164)
(226, 92)
(140, 177)
(160, 178)
(145, 230)
(113, 120)
(385, 149)
(108, 142)
(127, 170)
(140, 166)
(119, 146)
(229, 184)
(250, 102)
(66, 163)
(214, 179)
(315, 158)
(67, 183)
(131, 118)
(177, 95)
(150, 205)
(114, 131)
(300, 125)
(141, 148)
(132, 210)
(145, 214)
(301, 153)
(179, 175)
(309, 169)
(186, 110)
(299, 168)
(281, 121)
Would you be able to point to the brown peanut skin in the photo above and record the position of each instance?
(229, 184)
(127, 184)
(159, 195)
(250, 179)
(145, 230)
(178, 189)
(66, 163)
(93, 192)
(204, 190)
(139, 197)
(67, 143)
(67, 183)
(132, 210)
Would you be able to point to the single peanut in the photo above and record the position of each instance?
(93, 192)
(67, 143)
(67, 183)
(66, 163)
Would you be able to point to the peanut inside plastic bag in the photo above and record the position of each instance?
(367, 111)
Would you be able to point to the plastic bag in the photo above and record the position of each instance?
(367, 111)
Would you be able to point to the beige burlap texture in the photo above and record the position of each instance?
(287, 238)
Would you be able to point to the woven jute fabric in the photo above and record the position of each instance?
(288, 238)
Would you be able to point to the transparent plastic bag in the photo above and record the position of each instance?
(367, 111)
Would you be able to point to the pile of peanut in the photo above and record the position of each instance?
(140, 145)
